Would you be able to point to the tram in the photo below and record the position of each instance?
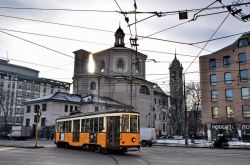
(99, 131)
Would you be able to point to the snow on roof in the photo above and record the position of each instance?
(102, 100)
(67, 97)
(59, 96)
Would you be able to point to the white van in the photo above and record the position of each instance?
(147, 136)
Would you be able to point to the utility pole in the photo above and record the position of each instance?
(37, 119)
(185, 109)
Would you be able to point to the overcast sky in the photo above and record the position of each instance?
(97, 33)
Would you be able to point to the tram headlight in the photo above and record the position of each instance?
(133, 139)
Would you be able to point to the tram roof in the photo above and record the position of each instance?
(98, 113)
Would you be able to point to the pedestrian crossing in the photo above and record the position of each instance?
(2, 149)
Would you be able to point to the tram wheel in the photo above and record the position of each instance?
(98, 149)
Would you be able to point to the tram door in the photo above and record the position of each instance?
(113, 131)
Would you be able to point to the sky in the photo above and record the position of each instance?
(93, 30)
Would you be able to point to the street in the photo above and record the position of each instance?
(156, 155)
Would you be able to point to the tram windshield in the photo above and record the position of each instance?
(133, 123)
(129, 123)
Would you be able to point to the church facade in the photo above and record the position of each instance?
(120, 74)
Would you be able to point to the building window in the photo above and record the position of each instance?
(44, 107)
(28, 109)
(243, 75)
(137, 67)
(213, 79)
(102, 66)
(230, 112)
(215, 112)
(226, 61)
(243, 58)
(212, 63)
(52, 90)
(27, 122)
(96, 108)
(93, 86)
(144, 90)
(66, 108)
(243, 42)
(71, 108)
(228, 77)
(120, 65)
(229, 94)
(214, 95)
(76, 108)
(244, 93)
(43, 120)
(246, 111)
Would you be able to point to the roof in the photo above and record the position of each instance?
(98, 113)
(58, 97)
(91, 98)
(235, 45)
(78, 99)
(5, 62)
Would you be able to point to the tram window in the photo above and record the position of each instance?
(91, 125)
(83, 125)
(133, 123)
(76, 125)
(67, 126)
(125, 123)
(87, 125)
(100, 124)
(95, 124)
(59, 126)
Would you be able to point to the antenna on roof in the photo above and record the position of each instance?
(7, 54)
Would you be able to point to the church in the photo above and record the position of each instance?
(119, 74)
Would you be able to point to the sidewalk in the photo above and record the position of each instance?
(30, 143)
(199, 143)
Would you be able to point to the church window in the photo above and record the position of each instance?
(173, 75)
(144, 90)
(93, 86)
(120, 65)
(102, 66)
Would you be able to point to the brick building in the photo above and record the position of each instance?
(225, 84)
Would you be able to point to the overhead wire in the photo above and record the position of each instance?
(207, 41)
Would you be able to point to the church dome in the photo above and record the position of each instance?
(176, 61)
(119, 31)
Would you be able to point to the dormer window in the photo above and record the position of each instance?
(243, 42)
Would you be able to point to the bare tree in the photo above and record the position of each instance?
(193, 102)
(4, 111)
(175, 116)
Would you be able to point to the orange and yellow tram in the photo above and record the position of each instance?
(110, 130)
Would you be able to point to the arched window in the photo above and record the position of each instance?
(138, 68)
(144, 90)
(93, 86)
(102, 66)
(120, 65)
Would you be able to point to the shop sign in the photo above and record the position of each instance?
(221, 126)
(245, 127)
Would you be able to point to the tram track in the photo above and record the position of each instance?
(139, 160)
